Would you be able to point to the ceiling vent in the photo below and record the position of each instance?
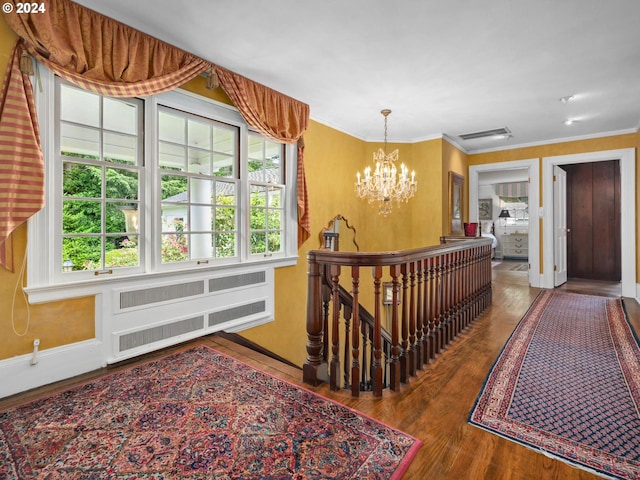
(486, 133)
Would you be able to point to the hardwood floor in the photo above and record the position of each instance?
(434, 407)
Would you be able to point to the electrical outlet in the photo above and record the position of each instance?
(34, 358)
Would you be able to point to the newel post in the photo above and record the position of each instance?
(314, 371)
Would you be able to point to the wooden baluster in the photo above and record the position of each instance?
(355, 352)
(466, 282)
(326, 309)
(311, 370)
(365, 373)
(376, 368)
(477, 295)
(412, 320)
(394, 365)
(438, 314)
(487, 263)
(451, 272)
(458, 295)
(433, 306)
(348, 312)
(404, 352)
(422, 329)
(455, 296)
(450, 318)
(334, 369)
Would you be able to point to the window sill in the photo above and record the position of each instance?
(85, 288)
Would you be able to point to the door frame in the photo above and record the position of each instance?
(533, 164)
(627, 158)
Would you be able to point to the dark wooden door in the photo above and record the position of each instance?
(593, 217)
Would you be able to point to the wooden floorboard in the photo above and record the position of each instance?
(435, 405)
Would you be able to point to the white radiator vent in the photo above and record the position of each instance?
(235, 281)
(148, 296)
(234, 313)
(162, 332)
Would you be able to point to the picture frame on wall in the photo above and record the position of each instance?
(456, 203)
(485, 209)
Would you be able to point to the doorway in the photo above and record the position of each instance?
(533, 239)
(593, 220)
(626, 158)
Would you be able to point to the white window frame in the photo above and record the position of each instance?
(46, 282)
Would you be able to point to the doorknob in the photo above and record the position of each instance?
(568, 230)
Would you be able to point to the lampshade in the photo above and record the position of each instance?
(504, 214)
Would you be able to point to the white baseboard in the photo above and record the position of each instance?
(18, 375)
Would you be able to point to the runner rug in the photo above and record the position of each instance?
(567, 383)
(197, 414)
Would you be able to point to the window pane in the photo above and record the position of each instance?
(275, 197)
(174, 218)
(172, 157)
(258, 242)
(174, 188)
(225, 152)
(256, 147)
(119, 148)
(225, 193)
(199, 134)
(171, 127)
(199, 161)
(201, 190)
(122, 218)
(273, 162)
(120, 116)
(225, 219)
(200, 218)
(85, 253)
(76, 141)
(81, 180)
(174, 248)
(125, 254)
(274, 219)
(81, 216)
(225, 245)
(79, 106)
(201, 245)
(224, 165)
(275, 242)
(121, 183)
(130, 214)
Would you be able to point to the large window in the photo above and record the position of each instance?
(155, 184)
(100, 154)
(199, 172)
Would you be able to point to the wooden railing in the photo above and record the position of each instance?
(429, 296)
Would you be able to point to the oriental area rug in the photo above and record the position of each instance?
(567, 384)
(197, 414)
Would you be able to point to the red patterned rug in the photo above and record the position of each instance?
(567, 383)
(200, 415)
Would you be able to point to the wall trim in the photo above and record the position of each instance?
(53, 365)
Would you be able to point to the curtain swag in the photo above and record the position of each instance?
(107, 57)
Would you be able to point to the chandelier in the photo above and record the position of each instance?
(386, 184)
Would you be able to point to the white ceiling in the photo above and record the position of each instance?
(442, 66)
